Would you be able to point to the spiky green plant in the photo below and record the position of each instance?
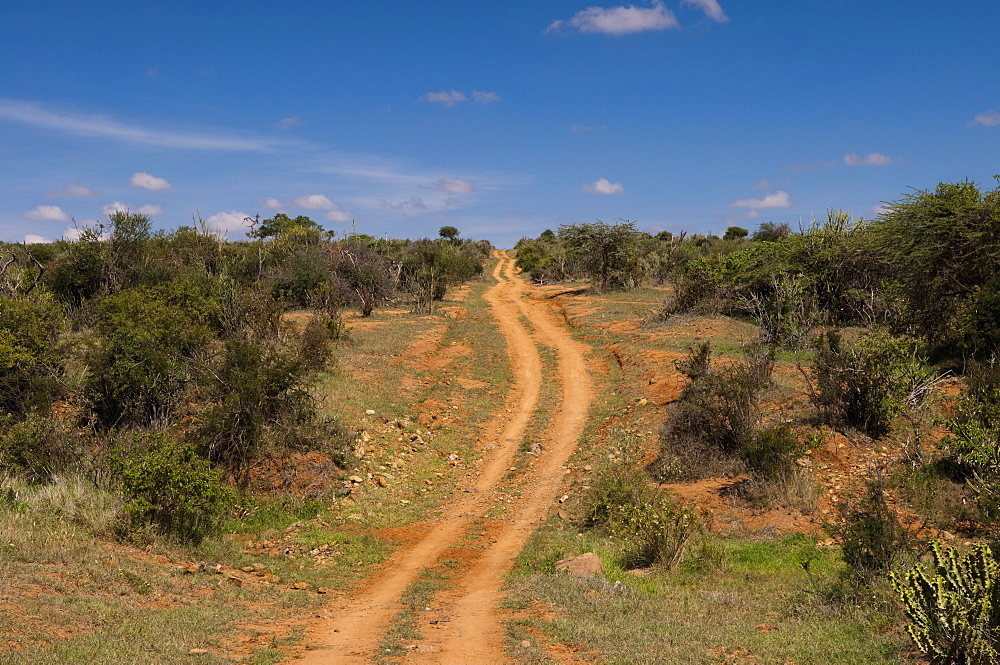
(954, 606)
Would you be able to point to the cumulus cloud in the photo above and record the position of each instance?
(445, 97)
(338, 215)
(871, 159)
(620, 20)
(289, 122)
(46, 214)
(71, 191)
(710, 7)
(273, 203)
(150, 182)
(455, 186)
(31, 239)
(36, 115)
(224, 222)
(776, 200)
(484, 97)
(603, 186)
(118, 206)
(987, 118)
(314, 202)
(72, 233)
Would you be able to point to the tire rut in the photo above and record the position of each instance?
(474, 634)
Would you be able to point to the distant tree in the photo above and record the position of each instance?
(282, 223)
(735, 233)
(607, 253)
(449, 233)
(769, 232)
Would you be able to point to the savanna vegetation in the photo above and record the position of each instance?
(160, 389)
(885, 334)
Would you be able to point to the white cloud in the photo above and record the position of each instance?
(871, 159)
(47, 214)
(987, 119)
(445, 98)
(338, 215)
(31, 239)
(74, 232)
(117, 206)
(114, 207)
(273, 203)
(224, 222)
(603, 186)
(412, 204)
(484, 97)
(776, 200)
(36, 115)
(71, 191)
(710, 7)
(289, 122)
(621, 20)
(455, 186)
(315, 202)
(150, 182)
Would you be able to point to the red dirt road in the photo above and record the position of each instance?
(474, 633)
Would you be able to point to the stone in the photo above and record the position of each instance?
(301, 586)
(587, 564)
(369, 412)
(357, 480)
(525, 644)
(322, 590)
(382, 482)
(210, 567)
(196, 652)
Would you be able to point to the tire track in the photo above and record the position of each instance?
(475, 633)
(353, 636)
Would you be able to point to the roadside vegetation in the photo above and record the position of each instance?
(830, 422)
(179, 444)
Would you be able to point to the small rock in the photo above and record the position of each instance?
(382, 482)
(247, 569)
(210, 567)
(563, 515)
(525, 644)
(369, 412)
(591, 592)
(300, 585)
(195, 652)
(322, 590)
(357, 480)
(585, 565)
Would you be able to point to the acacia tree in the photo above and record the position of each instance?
(607, 253)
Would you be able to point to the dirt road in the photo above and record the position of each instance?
(474, 633)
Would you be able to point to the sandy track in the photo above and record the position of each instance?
(475, 633)
(354, 634)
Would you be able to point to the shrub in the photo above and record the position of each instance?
(164, 483)
(717, 416)
(954, 607)
(652, 529)
(975, 434)
(872, 541)
(771, 453)
(39, 447)
(866, 383)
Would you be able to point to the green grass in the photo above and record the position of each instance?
(731, 597)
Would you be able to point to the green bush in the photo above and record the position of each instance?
(771, 453)
(864, 384)
(651, 528)
(872, 540)
(717, 416)
(974, 443)
(954, 606)
(166, 485)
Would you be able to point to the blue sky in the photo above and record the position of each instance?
(500, 118)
